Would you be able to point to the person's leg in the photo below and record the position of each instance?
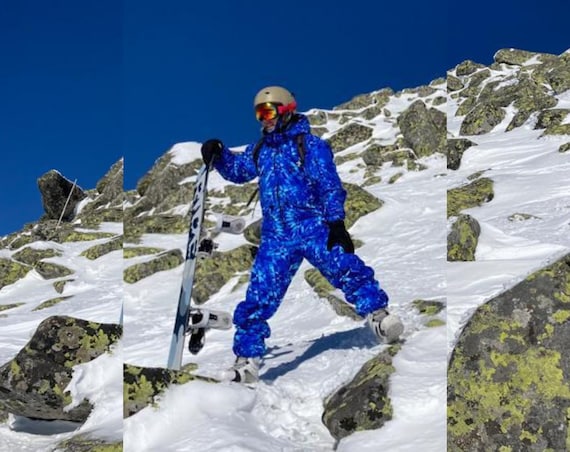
(275, 264)
(345, 271)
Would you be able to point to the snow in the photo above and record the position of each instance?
(312, 351)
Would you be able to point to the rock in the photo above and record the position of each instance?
(551, 118)
(47, 270)
(31, 256)
(50, 303)
(165, 261)
(325, 290)
(82, 443)
(362, 404)
(358, 203)
(509, 373)
(142, 385)
(428, 307)
(55, 190)
(349, 135)
(33, 383)
(467, 67)
(455, 149)
(513, 56)
(424, 130)
(564, 147)
(11, 271)
(97, 251)
(130, 252)
(463, 238)
(482, 119)
(453, 83)
(471, 195)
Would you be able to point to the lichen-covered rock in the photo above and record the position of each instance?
(424, 130)
(482, 119)
(141, 385)
(509, 373)
(31, 256)
(55, 190)
(5, 307)
(325, 290)
(252, 232)
(463, 238)
(453, 83)
(135, 227)
(428, 307)
(165, 261)
(470, 195)
(33, 383)
(552, 117)
(455, 149)
(349, 135)
(59, 285)
(51, 302)
(513, 56)
(11, 271)
(358, 203)
(48, 270)
(363, 404)
(130, 252)
(467, 67)
(213, 273)
(95, 252)
(83, 443)
(564, 147)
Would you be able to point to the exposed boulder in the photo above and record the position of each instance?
(513, 56)
(482, 119)
(32, 256)
(453, 83)
(33, 383)
(349, 135)
(509, 373)
(463, 238)
(164, 261)
(55, 189)
(325, 290)
(424, 130)
(95, 252)
(455, 149)
(471, 195)
(363, 404)
(142, 385)
(11, 271)
(467, 67)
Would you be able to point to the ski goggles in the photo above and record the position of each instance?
(270, 110)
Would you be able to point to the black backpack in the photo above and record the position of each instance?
(301, 147)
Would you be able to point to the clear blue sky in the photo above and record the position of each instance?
(84, 83)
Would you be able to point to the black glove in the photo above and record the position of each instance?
(211, 150)
(338, 235)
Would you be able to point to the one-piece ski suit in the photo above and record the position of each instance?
(298, 198)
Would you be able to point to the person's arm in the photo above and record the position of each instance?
(237, 167)
(322, 168)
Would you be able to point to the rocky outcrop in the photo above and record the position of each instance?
(33, 383)
(141, 385)
(509, 374)
(55, 190)
(363, 404)
(463, 238)
(455, 149)
(164, 261)
(471, 195)
(424, 130)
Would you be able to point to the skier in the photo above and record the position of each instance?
(302, 201)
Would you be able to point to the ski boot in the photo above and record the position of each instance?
(387, 327)
(244, 370)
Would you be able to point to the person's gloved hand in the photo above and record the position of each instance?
(338, 235)
(211, 150)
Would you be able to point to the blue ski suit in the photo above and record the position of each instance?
(297, 199)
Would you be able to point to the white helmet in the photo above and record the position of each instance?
(274, 94)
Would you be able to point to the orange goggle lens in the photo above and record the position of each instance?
(267, 111)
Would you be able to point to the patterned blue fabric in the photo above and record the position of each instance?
(297, 201)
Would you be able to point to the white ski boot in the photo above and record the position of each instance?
(244, 370)
(387, 327)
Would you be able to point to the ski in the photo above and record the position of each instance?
(196, 248)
